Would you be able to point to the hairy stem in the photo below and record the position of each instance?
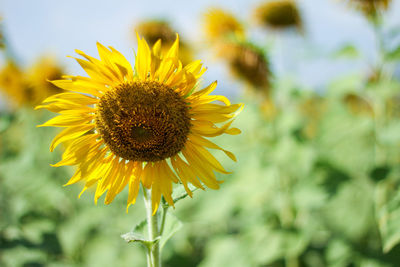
(153, 253)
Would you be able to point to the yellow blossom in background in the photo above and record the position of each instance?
(279, 14)
(247, 63)
(29, 87)
(154, 30)
(14, 85)
(312, 108)
(370, 7)
(219, 25)
(269, 109)
(358, 105)
(144, 125)
(38, 76)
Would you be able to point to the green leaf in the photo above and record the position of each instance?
(379, 173)
(347, 51)
(393, 55)
(389, 219)
(5, 121)
(137, 235)
(172, 225)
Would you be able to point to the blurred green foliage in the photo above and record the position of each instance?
(316, 184)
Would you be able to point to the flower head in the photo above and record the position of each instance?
(358, 105)
(12, 83)
(143, 125)
(279, 14)
(248, 63)
(370, 7)
(219, 24)
(30, 87)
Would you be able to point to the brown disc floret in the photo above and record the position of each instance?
(143, 121)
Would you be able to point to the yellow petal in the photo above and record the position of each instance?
(73, 98)
(147, 175)
(174, 49)
(84, 146)
(185, 171)
(214, 108)
(204, 91)
(88, 168)
(134, 184)
(210, 98)
(104, 182)
(95, 72)
(66, 120)
(118, 182)
(206, 175)
(207, 128)
(70, 133)
(206, 157)
(196, 68)
(122, 63)
(201, 141)
(166, 177)
(143, 59)
(70, 85)
(59, 106)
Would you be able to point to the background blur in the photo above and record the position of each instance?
(317, 177)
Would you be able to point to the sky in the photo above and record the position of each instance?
(36, 28)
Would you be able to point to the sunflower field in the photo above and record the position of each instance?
(231, 133)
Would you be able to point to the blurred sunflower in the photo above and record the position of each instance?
(45, 69)
(280, 14)
(13, 84)
(219, 25)
(269, 109)
(38, 76)
(358, 105)
(154, 30)
(248, 63)
(312, 108)
(370, 7)
(130, 126)
(30, 87)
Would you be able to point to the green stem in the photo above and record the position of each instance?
(292, 262)
(380, 48)
(153, 253)
(164, 216)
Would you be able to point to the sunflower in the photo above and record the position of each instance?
(358, 105)
(280, 14)
(38, 76)
(29, 88)
(370, 7)
(248, 63)
(219, 24)
(148, 125)
(12, 83)
(154, 30)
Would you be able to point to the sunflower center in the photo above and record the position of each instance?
(143, 121)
